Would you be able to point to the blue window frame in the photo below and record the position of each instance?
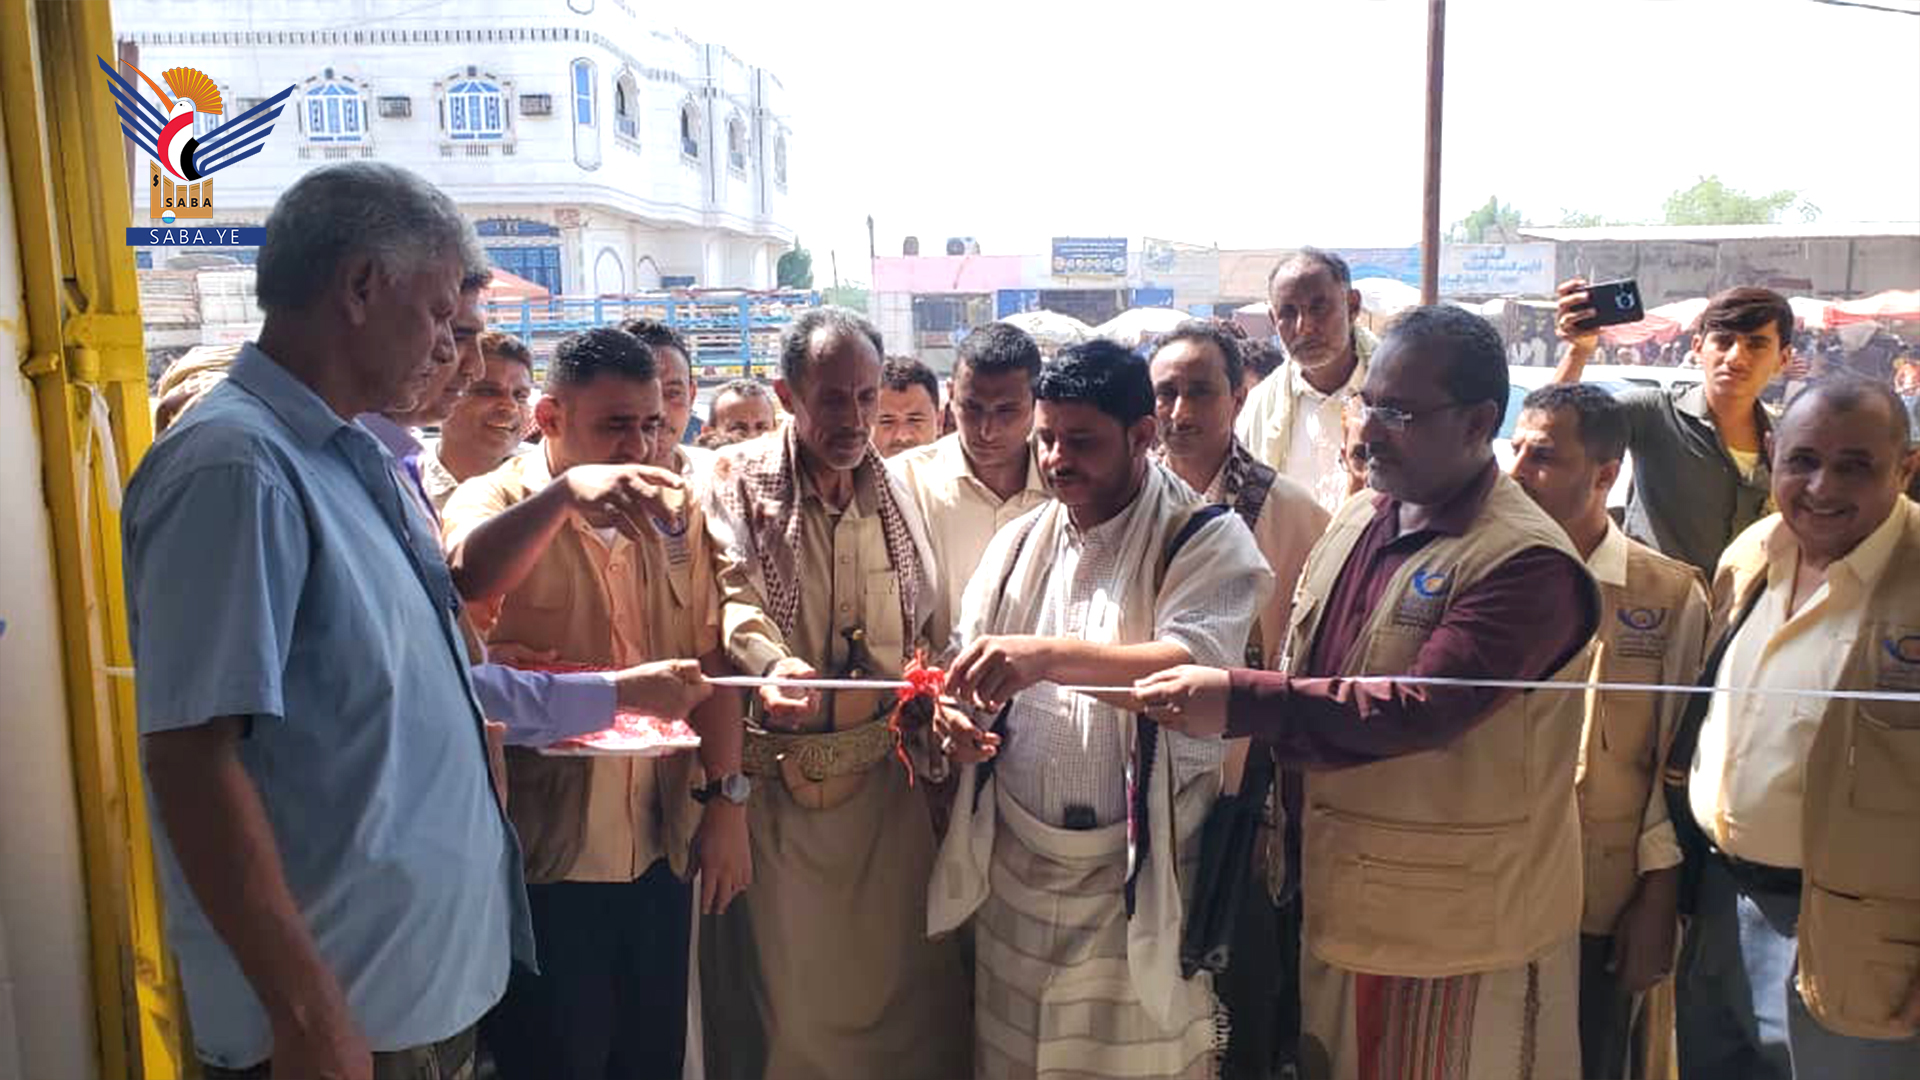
(583, 92)
(476, 109)
(335, 113)
(540, 265)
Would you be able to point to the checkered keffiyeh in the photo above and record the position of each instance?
(757, 488)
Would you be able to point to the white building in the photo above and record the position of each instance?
(598, 151)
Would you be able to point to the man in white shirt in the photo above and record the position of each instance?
(1074, 859)
(1292, 420)
(970, 484)
(1802, 812)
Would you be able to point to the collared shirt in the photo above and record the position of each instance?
(846, 583)
(638, 603)
(1299, 430)
(1658, 848)
(435, 479)
(275, 573)
(1288, 525)
(407, 450)
(961, 512)
(1749, 769)
(1689, 498)
(538, 708)
(1524, 620)
(1067, 750)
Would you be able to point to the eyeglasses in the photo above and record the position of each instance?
(1399, 419)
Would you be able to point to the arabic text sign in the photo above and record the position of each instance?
(1496, 270)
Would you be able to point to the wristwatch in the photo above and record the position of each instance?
(734, 787)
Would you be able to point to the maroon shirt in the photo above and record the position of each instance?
(1525, 620)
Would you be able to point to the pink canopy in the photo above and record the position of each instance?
(1890, 306)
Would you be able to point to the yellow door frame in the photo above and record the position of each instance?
(66, 158)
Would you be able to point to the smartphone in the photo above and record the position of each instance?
(1614, 302)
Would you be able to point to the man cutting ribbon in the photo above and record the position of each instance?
(1441, 858)
(1067, 857)
(823, 569)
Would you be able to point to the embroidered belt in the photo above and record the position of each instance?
(818, 755)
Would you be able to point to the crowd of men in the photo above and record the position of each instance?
(1228, 773)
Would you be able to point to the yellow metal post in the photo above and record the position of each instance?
(66, 162)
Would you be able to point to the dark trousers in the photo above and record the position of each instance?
(610, 1000)
(1608, 1014)
(448, 1059)
(1261, 988)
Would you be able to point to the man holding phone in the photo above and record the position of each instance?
(1700, 473)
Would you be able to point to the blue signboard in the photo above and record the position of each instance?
(491, 227)
(1090, 256)
(1014, 301)
(1153, 298)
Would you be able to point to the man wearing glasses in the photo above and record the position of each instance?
(1441, 859)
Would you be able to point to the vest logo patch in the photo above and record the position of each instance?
(1642, 634)
(1431, 583)
(1895, 665)
(1642, 619)
(1425, 600)
(1904, 649)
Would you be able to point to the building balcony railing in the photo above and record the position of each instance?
(733, 333)
(476, 150)
(351, 152)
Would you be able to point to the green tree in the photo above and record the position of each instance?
(1496, 222)
(795, 268)
(1711, 202)
(846, 296)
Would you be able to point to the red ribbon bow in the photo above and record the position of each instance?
(923, 681)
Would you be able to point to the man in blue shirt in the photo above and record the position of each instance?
(343, 890)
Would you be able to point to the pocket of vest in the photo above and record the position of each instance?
(1416, 898)
(1858, 959)
(1883, 764)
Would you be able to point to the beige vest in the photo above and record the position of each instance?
(1860, 894)
(555, 609)
(1458, 860)
(1621, 756)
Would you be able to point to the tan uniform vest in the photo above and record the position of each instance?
(547, 796)
(1621, 754)
(1457, 860)
(1859, 932)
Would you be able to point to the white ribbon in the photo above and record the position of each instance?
(1600, 687)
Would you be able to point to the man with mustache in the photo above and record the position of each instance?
(1800, 816)
(1197, 389)
(822, 970)
(343, 891)
(1074, 856)
(582, 552)
(1567, 443)
(679, 389)
(742, 410)
(970, 484)
(909, 407)
(1292, 419)
(488, 423)
(1699, 453)
(1441, 840)
(397, 427)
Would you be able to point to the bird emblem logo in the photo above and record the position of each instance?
(184, 189)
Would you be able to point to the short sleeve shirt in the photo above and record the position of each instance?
(1689, 498)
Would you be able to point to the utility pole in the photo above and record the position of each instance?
(1430, 207)
(834, 254)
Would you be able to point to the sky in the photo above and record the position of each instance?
(1288, 122)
